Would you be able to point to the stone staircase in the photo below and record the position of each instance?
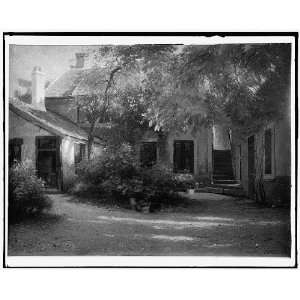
(222, 167)
(223, 179)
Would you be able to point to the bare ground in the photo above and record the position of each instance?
(209, 225)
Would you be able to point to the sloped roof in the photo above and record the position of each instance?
(77, 82)
(48, 120)
(92, 81)
(65, 84)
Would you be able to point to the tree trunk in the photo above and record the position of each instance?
(260, 195)
(90, 146)
(233, 154)
(91, 138)
(100, 116)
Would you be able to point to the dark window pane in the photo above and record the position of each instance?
(268, 151)
(79, 153)
(148, 154)
(82, 151)
(184, 156)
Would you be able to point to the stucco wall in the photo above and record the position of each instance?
(202, 148)
(20, 128)
(67, 156)
(221, 138)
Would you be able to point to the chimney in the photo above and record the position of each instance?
(80, 60)
(38, 89)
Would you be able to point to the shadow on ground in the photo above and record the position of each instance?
(209, 225)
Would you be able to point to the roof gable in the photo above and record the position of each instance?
(48, 120)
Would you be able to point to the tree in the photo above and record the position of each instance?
(116, 68)
(241, 86)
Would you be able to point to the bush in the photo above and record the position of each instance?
(117, 175)
(113, 163)
(26, 192)
(185, 181)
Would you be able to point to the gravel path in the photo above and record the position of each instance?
(210, 225)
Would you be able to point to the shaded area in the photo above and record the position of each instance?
(209, 225)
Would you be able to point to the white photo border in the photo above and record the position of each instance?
(80, 38)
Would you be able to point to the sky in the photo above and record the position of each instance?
(54, 61)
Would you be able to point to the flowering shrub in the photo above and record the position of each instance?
(185, 181)
(26, 195)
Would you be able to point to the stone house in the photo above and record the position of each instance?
(55, 144)
(189, 153)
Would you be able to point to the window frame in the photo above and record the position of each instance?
(81, 153)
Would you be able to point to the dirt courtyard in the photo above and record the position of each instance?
(209, 225)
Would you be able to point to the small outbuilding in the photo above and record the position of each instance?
(53, 143)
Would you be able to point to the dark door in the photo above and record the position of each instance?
(48, 159)
(251, 165)
(148, 154)
(183, 157)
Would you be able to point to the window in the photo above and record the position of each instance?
(148, 154)
(183, 156)
(79, 153)
(268, 152)
(15, 150)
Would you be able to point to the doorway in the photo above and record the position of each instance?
(48, 162)
(148, 154)
(251, 166)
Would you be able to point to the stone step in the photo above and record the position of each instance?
(224, 181)
(237, 192)
(234, 185)
(223, 177)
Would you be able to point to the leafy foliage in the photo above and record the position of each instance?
(117, 72)
(26, 192)
(165, 87)
(117, 176)
(241, 86)
(239, 82)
